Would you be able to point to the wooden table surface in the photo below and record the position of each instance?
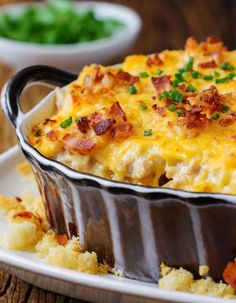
(166, 24)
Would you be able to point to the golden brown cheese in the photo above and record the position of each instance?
(167, 119)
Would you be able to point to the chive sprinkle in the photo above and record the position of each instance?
(132, 90)
(215, 116)
(191, 88)
(176, 96)
(180, 113)
(208, 77)
(143, 75)
(172, 108)
(227, 66)
(147, 132)
(66, 123)
(222, 80)
(225, 109)
(189, 65)
(159, 72)
(143, 107)
(196, 74)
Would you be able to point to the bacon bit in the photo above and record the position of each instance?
(190, 43)
(211, 99)
(161, 83)
(154, 97)
(117, 110)
(124, 76)
(95, 118)
(208, 64)
(18, 199)
(61, 239)
(46, 121)
(24, 215)
(228, 121)
(52, 135)
(83, 125)
(81, 146)
(213, 40)
(154, 60)
(230, 274)
(97, 76)
(122, 131)
(194, 119)
(102, 127)
(159, 110)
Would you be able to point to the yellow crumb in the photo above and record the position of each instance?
(203, 270)
(24, 168)
(183, 280)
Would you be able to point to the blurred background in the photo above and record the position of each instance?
(165, 24)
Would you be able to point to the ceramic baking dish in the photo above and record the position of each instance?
(133, 228)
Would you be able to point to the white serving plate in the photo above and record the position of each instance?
(98, 289)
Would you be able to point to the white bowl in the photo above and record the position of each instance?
(72, 57)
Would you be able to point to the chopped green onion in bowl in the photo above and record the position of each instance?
(58, 22)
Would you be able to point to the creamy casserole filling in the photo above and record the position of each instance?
(167, 119)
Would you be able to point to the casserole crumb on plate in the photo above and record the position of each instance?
(166, 119)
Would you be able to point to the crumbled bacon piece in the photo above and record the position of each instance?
(61, 239)
(102, 127)
(194, 119)
(230, 274)
(76, 144)
(18, 199)
(210, 95)
(26, 215)
(122, 131)
(124, 76)
(213, 40)
(116, 110)
(97, 75)
(83, 125)
(159, 110)
(52, 135)
(191, 43)
(95, 118)
(161, 83)
(208, 64)
(154, 60)
(228, 121)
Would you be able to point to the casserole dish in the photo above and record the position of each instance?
(133, 228)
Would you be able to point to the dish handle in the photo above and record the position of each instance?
(10, 97)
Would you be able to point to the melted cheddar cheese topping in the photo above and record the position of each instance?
(167, 119)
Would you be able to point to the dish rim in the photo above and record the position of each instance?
(95, 181)
(132, 28)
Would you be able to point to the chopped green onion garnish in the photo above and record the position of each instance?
(132, 90)
(164, 95)
(180, 113)
(144, 75)
(208, 77)
(216, 74)
(66, 123)
(147, 132)
(215, 116)
(189, 65)
(196, 74)
(179, 77)
(176, 96)
(172, 108)
(225, 109)
(143, 107)
(159, 71)
(191, 88)
(175, 82)
(222, 80)
(231, 75)
(227, 66)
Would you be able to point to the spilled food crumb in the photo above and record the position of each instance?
(28, 230)
(183, 280)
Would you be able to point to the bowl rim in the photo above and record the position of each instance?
(58, 167)
(123, 35)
